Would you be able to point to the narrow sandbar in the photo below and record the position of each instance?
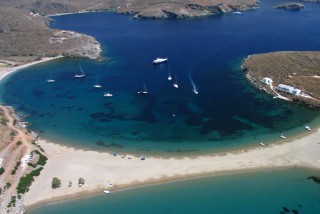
(102, 169)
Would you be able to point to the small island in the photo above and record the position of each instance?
(290, 6)
(288, 75)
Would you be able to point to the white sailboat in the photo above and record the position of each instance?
(107, 94)
(194, 87)
(81, 75)
(97, 85)
(50, 80)
(144, 91)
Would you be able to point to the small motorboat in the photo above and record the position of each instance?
(261, 144)
(107, 94)
(237, 13)
(169, 77)
(160, 60)
(308, 128)
(195, 90)
(282, 136)
(106, 191)
(175, 85)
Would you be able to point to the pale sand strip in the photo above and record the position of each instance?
(5, 71)
(101, 169)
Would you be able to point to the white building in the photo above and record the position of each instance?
(289, 89)
(267, 81)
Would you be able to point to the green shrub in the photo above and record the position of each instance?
(32, 165)
(55, 183)
(81, 181)
(1, 170)
(8, 185)
(42, 159)
(12, 202)
(19, 142)
(26, 181)
(4, 121)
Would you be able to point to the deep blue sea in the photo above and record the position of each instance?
(227, 113)
(265, 192)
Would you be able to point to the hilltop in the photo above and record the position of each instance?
(139, 8)
(299, 69)
(27, 35)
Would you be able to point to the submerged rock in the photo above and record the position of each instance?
(286, 209)
(315, 179)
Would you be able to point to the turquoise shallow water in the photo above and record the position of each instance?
(227, 112)
(258, 192)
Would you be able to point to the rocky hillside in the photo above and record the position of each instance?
(186, 9)
(139, 8)
(24, 34)
(290, 6)
(300, 69)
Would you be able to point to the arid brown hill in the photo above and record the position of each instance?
(300, 69)
(23, 34)
(140, 8)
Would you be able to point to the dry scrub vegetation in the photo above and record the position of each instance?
(299, 69)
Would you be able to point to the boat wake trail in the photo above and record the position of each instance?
(194, 87)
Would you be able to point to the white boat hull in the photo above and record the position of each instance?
(160, 60)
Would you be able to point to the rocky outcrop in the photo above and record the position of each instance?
(290, 6)
(76, 44)
(187, 9)
(315, 179)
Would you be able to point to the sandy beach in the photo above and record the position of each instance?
(100, 170)
(6, 70)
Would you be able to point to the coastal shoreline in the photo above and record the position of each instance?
(9, 70)
(69, 163)
(99, 191)
(100, 169)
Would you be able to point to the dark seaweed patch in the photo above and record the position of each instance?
(38, 93)
(72, 97)
(111, 145)
(194, 120)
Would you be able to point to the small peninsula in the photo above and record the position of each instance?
(290, 6)
(26, 37)
(297, 69)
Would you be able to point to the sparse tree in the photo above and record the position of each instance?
(55, 183)
(81, 181)
(70, 184)
(1, 170)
